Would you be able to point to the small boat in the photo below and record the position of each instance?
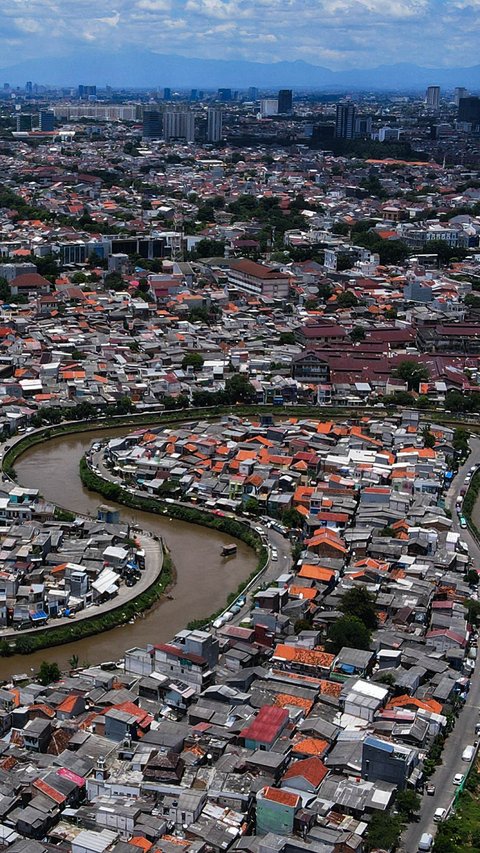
(229, 550)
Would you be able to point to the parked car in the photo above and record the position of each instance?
(426, 841)
(430, 789)
(439, 815)
(457, 779)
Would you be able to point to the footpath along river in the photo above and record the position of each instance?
(203, 581)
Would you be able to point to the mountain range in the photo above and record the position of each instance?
(143, 69)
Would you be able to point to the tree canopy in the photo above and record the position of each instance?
(348, 631)
(48, 672)
(238, 389)
(412, 373)
(359, 603)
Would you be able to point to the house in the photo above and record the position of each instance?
(297, 659)
(258, 279)
(276, 811)
(185, 666)
(267, 726)
(388, 762)
(37, 734)
(305, 775)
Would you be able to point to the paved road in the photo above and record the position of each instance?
(464, 731)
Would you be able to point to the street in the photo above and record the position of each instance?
(464, 732)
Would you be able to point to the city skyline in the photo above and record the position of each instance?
(336, 34)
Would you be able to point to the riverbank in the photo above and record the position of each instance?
(203, 578)
(236, 529)
(93, 621)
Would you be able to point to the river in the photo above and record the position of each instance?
(203, 581)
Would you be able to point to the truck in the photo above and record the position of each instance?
(426, 841)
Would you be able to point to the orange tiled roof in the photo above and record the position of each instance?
(316, 573)
(281, 700)
(310, 746)
(405, 700)
(311, 657)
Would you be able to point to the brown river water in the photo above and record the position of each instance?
(203, 581)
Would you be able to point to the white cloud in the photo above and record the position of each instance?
(336, 33)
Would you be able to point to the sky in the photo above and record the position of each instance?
(338, 34)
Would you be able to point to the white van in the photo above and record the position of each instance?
(468, 753)
(439, 815)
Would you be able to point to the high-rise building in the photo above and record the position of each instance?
(167, 94)
(87, 91)
(194, 95)
(24, 122)
(214, 124)
(460, 92)
(179, 124)
(252, 93)
(224, 95)
(469, 110)
(29, 87)
(345, 120)
(285, 101)
(268, 107)
(152, 124)
(46, 121)
(363, 126)
(432, 97)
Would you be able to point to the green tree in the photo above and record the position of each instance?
(124, 405)
(473, 610)
(472, 300)
(357, 334)
(360, 603)
(286, 338)
(5, 649)
(444, 252)
(5, 291)
(238, 389)
(412, 373)
(383, 831)
(341, 229)
(48, 673)
(347, 299)
(429, 439)
(292, 518)
(114, 281)
(348, 631)
(460, 440)
(302, 625)
(408, 802)
(471, 577)
(79, 278)
(73, 661)
(209, 248)
(252, 506)
(192, 359)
